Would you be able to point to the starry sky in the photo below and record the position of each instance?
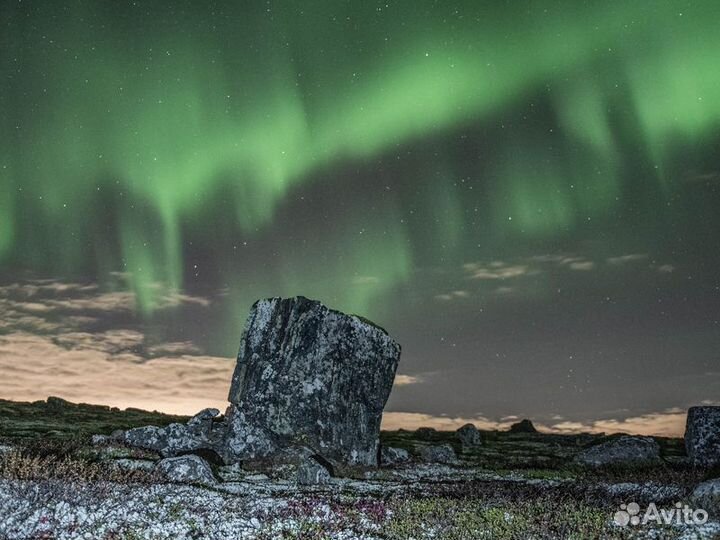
(524, 194)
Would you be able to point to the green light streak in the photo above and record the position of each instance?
(256, 106)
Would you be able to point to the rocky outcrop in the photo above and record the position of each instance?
(469, 436)
(438, 454)
(186, 470)
(200, 433)
(308, 375)
(625, 450)
(702, 435)
(523, 426)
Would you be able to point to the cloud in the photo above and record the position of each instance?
(35, 367)
(496, 271)
(43, 297)
(666, 269)
(582, 265)
(669, 423)
(411, 420)
(624, 259)
(404, 380)
(452, 295)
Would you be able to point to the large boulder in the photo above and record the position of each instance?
(308, 375)
(702, 435)
(625, 450)
(438, 454)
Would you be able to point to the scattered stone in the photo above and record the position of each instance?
(311, 473)
(393, 456)
(309, 375)
(438, 454)
(6, 449)
(707, 496)
(186, 470)
(469, 435)
(523, 426)
(625, 450)
(425, 433)
(702, 435)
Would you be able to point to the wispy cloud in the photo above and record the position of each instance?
(625, 259)
(496, 270)
(404, 380)
(35, 367)
(669, 423)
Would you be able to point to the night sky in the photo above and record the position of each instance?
(526, 195)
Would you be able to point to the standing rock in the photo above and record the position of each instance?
(393, 456)
(312, 376)
(438, 454)
(702, 435)
(311, 473)
(186, 470)
(625, 450)
(523, 426)
(469, 436)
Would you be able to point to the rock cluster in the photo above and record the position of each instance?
(200, 433)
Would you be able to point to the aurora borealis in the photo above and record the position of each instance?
(524, 193)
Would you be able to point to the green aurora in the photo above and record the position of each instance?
(133, 130)
(524, 193)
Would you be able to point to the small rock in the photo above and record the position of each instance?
(134, 464)
(311, 472)
(702, 435)
(625, 450)
(425, 433)
(707, 496)
(523, 426)
(469, 435)
(97, 440)
(438, 454)
(202, 421)
(186, 470)
(393, 456)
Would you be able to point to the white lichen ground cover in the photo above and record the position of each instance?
(263, 510)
